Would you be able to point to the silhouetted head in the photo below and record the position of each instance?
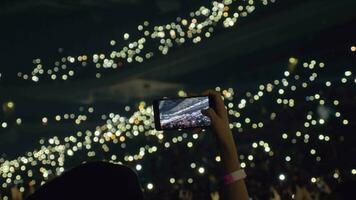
(96, 180)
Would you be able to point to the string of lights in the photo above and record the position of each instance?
(131, 139)
(148, 42)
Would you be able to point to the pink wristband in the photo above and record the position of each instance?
(234, 176)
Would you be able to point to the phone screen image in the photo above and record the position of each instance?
(183, 113)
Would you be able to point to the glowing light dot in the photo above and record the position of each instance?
(254, 145)
(45, 120)
(313, 179)
(112, 42)
(181, 93)
(35, 78)
(201, 170)
(150, 186)
(282, 177)
(10, 105)
(18, 121)
(298, 133)
(336, 175)
(70, 152)
(195, 136)
(167, 145)
(126, 36)
(312, 151)
(353, 171)
(336, 102)
(189, 144)
(138, 167)
(4, 124)
(172, 180)
(293, 60)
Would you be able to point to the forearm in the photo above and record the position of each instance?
(230, 163)
(229, 158)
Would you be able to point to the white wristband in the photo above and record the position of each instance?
(234, 176)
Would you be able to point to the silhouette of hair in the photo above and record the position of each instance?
(95, 180)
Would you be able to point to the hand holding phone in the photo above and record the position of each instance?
(219, 118)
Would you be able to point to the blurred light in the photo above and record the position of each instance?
(336, 175)
(150, 186)
(353, 171)
(4, 124)
(282, 177)
(44, 120)
(353, 48)
(10, 104)
(138, 167)
(201, 170)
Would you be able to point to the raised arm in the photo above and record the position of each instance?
(229, 157)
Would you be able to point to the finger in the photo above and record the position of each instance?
(218, 103)
(211, 114)
(197, 130)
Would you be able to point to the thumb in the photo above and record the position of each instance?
(210, 113)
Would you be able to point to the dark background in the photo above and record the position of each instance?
(255, 51)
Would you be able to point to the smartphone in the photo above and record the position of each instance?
(181, 113)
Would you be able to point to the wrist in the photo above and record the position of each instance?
(229, 149)
(230, 161)
(226, 139)
(231, 166)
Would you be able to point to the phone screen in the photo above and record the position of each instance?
(181, 113)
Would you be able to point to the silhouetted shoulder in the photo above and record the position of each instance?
(94, 180)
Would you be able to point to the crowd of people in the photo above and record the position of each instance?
(259, 189)
(187, 120)
(268, 177)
